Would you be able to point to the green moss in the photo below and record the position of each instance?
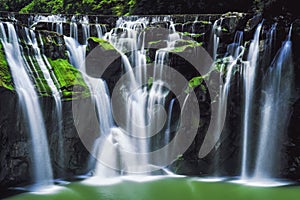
(103, 43)
(193, 35)
(5, 75)
(148, 59)
(197, 81)
(220, 64)
(155, 42)
(224, 30)
(184, 44)
(70, 80)
(205, 22)
(37, 76)
(150, 82)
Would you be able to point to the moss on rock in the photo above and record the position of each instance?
(197, 81)
(182, 45)
(101, 42)
(70, 80)
(5, 75)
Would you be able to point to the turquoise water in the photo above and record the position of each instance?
(156, 188)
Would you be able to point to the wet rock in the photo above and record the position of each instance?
(103, 61)
(54, 45)
(16, 148)
(178, 27)
(251, 25)
(156, 34)
(163, 25)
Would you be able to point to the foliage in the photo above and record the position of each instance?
(43, 6)
(146, 7)
(185, 44)
(124, 7)
(150, 82)
(104, 7)
(195, 82)
(5, 76)
(13, 5)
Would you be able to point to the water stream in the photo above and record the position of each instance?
(29, 104)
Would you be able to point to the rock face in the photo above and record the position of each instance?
(16, 149)
(68, 155)
(15, 159)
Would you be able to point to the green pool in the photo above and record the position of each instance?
(156, 188)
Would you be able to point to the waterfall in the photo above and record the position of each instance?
(102, 101)
(52, 82)
(100, 30)
(277, 88)
(234, 53)
(59, 28)
(76, 51)
(249, 77)
(144, 115)
(56, 20)
(167, 133)
(147, 116)
(215, 39)
(130, 140)
(29, 103)
(269, 48)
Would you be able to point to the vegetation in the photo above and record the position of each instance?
(38, 78)
(182, 45)
(13, 5)
(70, 80)
(103, 43)
(105, 7)
(44, 6)
(5, 76)
(143, 7)
(195, 82)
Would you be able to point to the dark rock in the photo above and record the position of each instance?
(178, 27)
(104, 63)
(16, 150)
(253, 22)
(163, 25)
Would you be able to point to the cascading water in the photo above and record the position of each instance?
(119, 146)
(102, 101)
(76, 50)
(29, 104)
(52, 82)
(215, 38)
(234, 53)
(277, 90)
(270, 47)
(128, 160)
(141, 104)
(168, 129)
(249, 76)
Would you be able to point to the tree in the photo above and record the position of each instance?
(13, 5)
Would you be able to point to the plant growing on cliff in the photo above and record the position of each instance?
(70, 80)
(195, 82)
(5, 76)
